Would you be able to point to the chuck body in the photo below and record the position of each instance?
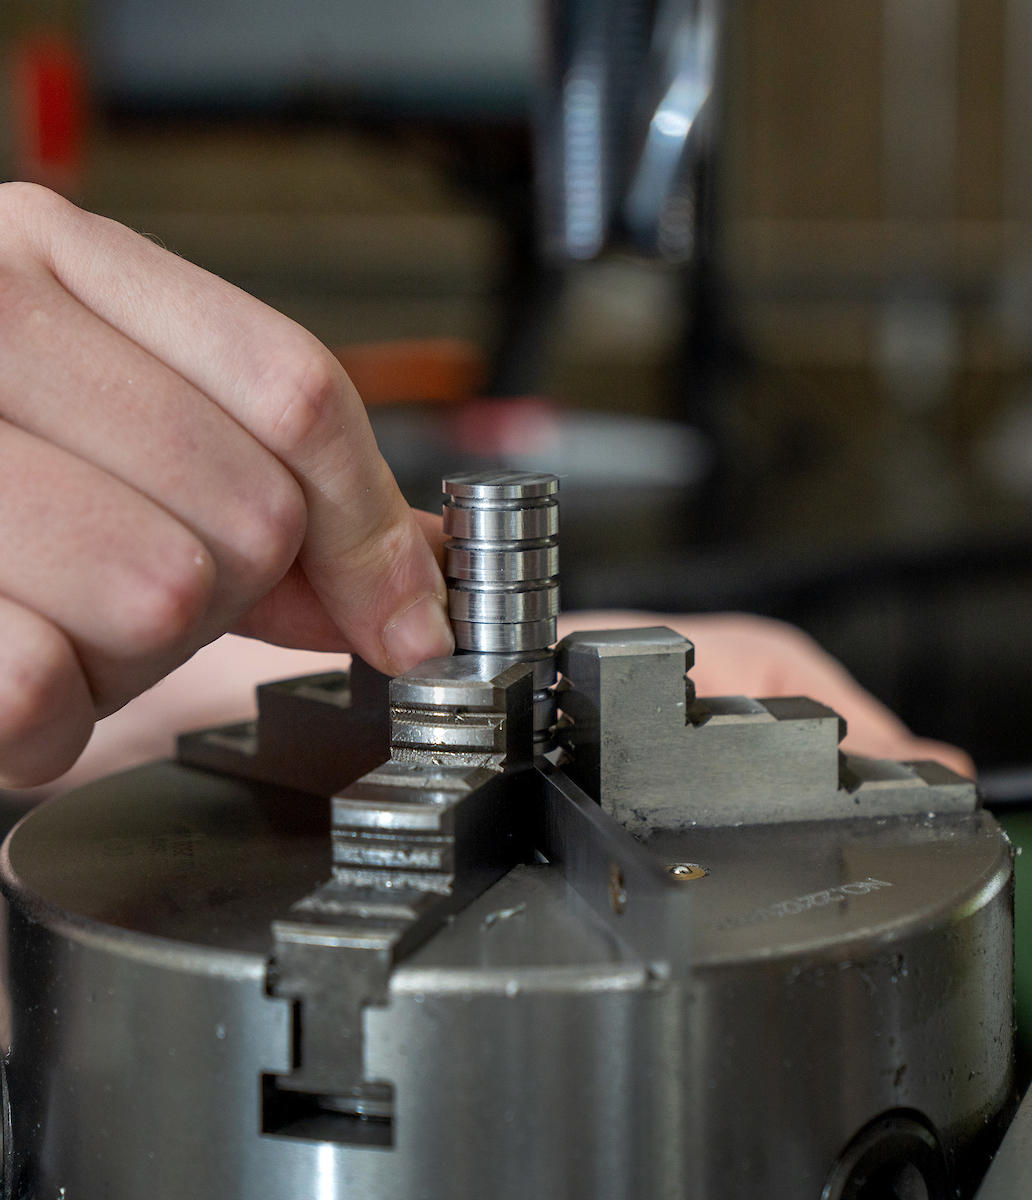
(704, 956)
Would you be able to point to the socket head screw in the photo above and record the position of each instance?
(683, 872)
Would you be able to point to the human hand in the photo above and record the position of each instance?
(738, 654)
(176, 460)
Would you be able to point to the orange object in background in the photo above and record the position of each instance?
(49, 111)
(415, 369)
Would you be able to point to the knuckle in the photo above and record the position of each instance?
(33, 685)
(165, 600)
(303, 385)
(30, 203)
(269, 533)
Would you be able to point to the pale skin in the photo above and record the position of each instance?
(177, 461)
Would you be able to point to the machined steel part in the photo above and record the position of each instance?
(502, 566)
(708, 957)
(413, 841)
(653, 755)
(547, 1042)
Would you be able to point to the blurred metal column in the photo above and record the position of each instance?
(1014, 307)
(662, 206)
(594, 54)
(917, 336)
(591, 56)
(625, 90)
(919, 115)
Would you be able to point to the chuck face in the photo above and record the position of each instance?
(502, 568)
(377, 944)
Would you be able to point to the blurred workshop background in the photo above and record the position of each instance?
(762, 295)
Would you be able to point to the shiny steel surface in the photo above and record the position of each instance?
(474, 732)
(466, 681)
(473, 974)
(394, 887)
(507, 561)
(542, 662)
(504, 603)
(498, 524)
(531, 1051)
(653, 755)
(501, 485)
(502, 563)
(503, 639)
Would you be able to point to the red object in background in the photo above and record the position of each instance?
(497, 428)
(49, 111)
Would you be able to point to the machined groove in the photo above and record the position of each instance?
(479, 731)
(504, 603)
(359, 850)
(501, 562)
(502, 565)
(488, 638)
(502, 524)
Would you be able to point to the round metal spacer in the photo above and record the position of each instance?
(501, 485)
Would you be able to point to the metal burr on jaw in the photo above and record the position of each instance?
(502, 567)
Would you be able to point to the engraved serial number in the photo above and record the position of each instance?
(800, 904)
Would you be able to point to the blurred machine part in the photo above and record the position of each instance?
(625, 477)
(357, 240)
(873, 234)
(591, 450)
(627, 90)
(372, 945)
(455, 57)
(855, 223)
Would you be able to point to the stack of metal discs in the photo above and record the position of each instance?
(502, 565)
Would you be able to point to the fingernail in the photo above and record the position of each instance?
(422, 631)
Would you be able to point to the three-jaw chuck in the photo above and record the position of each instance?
(473, 934)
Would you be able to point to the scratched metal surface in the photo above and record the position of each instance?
(810, 885)
(840, 972)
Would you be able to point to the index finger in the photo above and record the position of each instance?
(363, 553)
